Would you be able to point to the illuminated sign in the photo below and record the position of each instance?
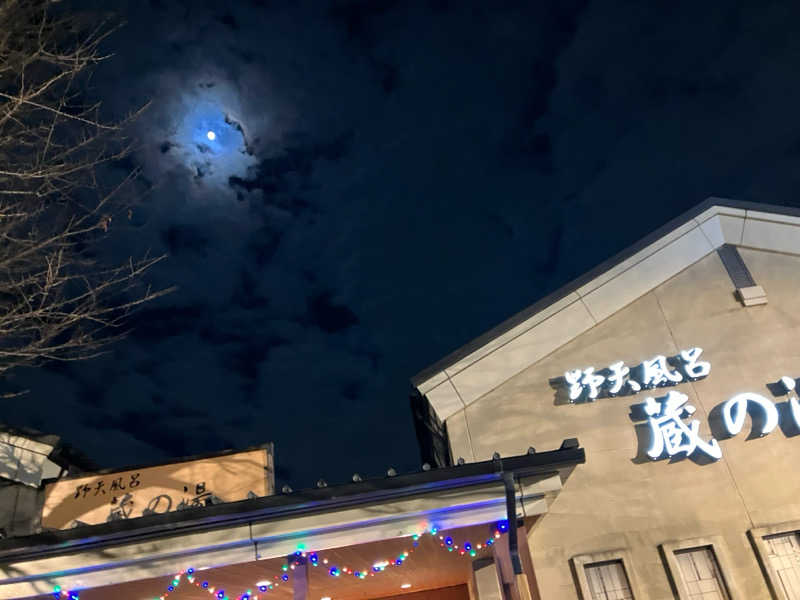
(672, 431)
(589, 384)
(669, 434)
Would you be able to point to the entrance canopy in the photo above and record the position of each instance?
(439, 563)
(244, 541)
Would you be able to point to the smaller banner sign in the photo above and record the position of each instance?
(109, 496)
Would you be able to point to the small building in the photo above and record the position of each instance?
(676, 364)
(27, 458)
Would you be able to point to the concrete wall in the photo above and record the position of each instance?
(620, 499)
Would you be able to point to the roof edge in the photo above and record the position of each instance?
(567, 289)
(281, 506)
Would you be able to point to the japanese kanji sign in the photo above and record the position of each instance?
(671, 435)
(588, 384)
(672, 430)
(102, 497)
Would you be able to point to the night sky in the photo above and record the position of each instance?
(389, 180)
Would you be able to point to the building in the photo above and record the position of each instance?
(675, 363)
(441, 533)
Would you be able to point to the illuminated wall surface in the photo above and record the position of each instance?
(696, 460)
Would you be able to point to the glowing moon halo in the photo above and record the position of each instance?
(211, 135)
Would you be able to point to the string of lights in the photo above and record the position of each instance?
(446, 542)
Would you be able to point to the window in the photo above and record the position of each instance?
(608, 581)
(700, 569)
(778, 550)
(783, 553)
(606, 576)
(700, 572)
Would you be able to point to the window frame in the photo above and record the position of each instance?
(581, 561)
(720, 551)
(757, 535)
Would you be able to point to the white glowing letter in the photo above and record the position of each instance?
(656, 372)
(694, 368)
(617, 377)
(574, 380)
(789, 384)
(581, 380)
(795, 406)
(670, 434)
(734, 410)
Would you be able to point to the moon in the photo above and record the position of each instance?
(211, 135)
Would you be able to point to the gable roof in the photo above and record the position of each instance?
(481, 365)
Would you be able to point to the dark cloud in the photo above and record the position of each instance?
(281, 179)
(154, 324)
(357, 17)
(388, 180)
(229, 21)
(330, 317)
(184, 238)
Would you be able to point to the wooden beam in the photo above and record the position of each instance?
(527, 561)
(487, 583)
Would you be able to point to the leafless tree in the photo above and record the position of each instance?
(58, 194)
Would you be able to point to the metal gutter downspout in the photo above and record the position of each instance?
(511, 515)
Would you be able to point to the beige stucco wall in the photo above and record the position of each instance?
(618, 501)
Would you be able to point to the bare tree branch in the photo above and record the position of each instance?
(57, 302)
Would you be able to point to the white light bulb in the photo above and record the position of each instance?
(211, 135)
(405, 586)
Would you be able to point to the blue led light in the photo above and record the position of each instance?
(502, 526)
(467, 546)
(205, 584)
(190, 570)
(448, 541)
(221, 594)
(285, 577)
(262, 588)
